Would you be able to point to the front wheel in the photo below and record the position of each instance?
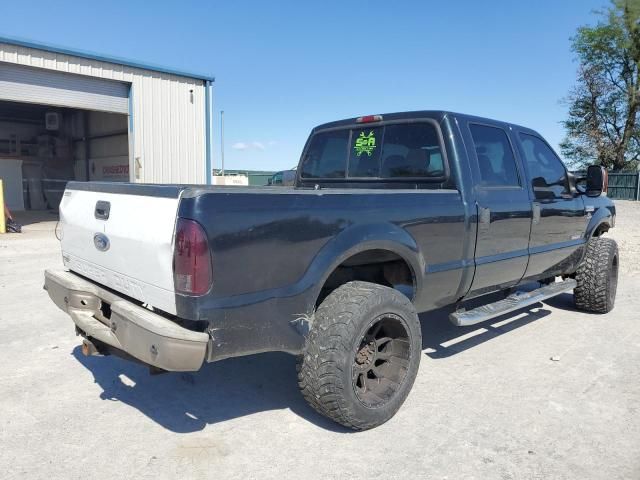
(361, 356)
(597, 276)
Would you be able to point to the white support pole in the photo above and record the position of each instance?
(222, 142)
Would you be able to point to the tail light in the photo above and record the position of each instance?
(191, 259)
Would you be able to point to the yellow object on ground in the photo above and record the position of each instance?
(3, 225)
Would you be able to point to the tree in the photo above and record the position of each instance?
(602, 126)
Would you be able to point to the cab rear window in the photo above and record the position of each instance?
(378, 152)
(325, 156)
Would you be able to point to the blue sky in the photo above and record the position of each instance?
(283, 67)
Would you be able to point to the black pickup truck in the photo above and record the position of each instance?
(391, 215)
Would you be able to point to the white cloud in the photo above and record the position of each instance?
(239, 146)
(255, 145)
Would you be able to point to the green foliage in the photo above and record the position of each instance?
(602, 124)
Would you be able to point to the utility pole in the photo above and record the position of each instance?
(222, 141)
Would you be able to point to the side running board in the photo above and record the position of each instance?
(513, 302)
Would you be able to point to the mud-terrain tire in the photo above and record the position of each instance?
(361, 356)
(597, 277)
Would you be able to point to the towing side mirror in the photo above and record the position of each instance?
(597, 180)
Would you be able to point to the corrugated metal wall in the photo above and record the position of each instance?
(168, 113)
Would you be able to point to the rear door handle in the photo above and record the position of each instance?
(536, 213)
(102, 210)
(485, 215)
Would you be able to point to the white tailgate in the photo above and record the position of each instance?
(139, 259)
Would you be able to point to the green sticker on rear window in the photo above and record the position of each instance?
(365, 144)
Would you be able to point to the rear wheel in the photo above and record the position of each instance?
(597, 276)
(361, 356)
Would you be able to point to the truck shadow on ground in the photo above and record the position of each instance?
(233, 388)
(220, 391)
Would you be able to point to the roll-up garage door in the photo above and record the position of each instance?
(39, 85)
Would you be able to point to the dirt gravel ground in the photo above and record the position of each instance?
(488, 401)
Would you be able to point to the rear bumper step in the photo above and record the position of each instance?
(512, 302)
(143, 334)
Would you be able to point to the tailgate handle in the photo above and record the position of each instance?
(102, 210)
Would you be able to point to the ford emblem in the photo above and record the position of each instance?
(101, 241)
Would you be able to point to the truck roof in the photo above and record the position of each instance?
(437, 115)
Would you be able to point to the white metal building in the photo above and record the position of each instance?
(73, 115)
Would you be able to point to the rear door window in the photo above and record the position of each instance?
(407, 150)
(496, 161)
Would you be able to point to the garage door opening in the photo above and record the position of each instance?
(43, 147)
